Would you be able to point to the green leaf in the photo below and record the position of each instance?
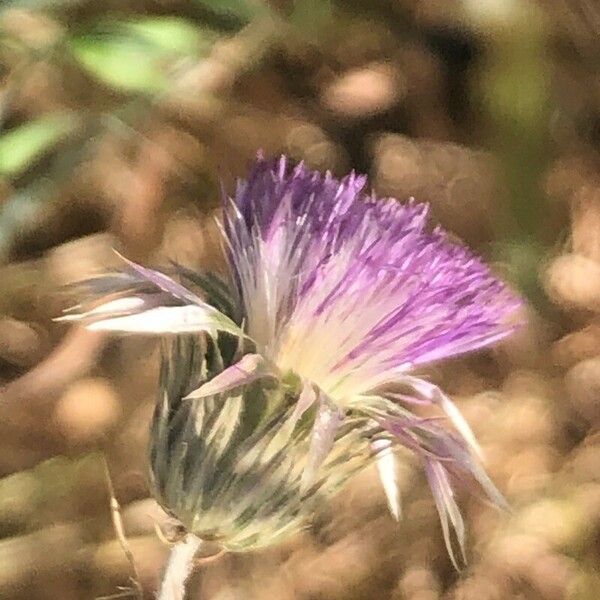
(121, 63)
(168, 34)
(21, 145)
(137, 56)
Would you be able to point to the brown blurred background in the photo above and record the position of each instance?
(119, 120)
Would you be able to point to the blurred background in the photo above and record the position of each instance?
(118, 123)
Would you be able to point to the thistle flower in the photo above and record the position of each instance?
(305, 369)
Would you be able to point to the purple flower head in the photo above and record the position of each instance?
(346, 295)
(349, 290)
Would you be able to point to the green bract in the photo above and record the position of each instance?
(231, 467)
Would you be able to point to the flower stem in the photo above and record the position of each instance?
(179, 567)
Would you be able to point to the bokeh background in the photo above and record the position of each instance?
(120, 120)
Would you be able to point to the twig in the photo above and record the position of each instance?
(179, 567)
(115, 509)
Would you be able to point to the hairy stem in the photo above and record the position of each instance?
(179, 567)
